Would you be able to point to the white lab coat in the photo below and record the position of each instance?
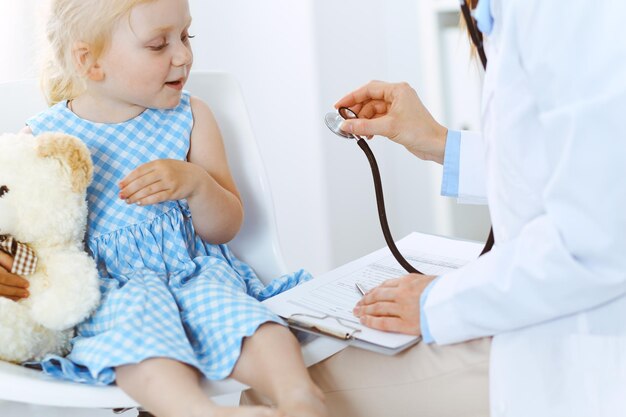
(553, 166)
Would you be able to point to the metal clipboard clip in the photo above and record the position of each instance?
(293, 321)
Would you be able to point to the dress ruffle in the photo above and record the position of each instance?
(166, 293)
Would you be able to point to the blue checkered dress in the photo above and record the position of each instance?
(165, 292)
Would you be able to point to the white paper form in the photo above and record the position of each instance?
(335, 294)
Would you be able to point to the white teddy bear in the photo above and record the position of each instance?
(43, 181)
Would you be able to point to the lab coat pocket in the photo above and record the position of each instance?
(597, 364)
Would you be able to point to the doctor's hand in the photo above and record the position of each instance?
(12, 286)
(394, 305)
(395, 111)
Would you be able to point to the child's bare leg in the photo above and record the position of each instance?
(166, 387)
(271, 362)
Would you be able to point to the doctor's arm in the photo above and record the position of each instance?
(395, 111)
(397, 304)
(570, 257)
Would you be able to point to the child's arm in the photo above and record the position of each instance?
(204, 180)
(215, 206)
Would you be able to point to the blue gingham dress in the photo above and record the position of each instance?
(165, 292)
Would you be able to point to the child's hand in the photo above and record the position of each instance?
(11, 286)
(161, 180)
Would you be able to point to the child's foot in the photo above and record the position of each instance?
(307, 402)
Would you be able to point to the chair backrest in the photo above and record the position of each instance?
(257, 242)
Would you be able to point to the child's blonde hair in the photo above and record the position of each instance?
(71, 21)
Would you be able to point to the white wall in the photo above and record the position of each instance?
(358, 41)
(18, 39)
(294, 59)
(267, 45)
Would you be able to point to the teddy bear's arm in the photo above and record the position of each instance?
(64, 290)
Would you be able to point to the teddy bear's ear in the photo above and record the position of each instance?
(72, 153)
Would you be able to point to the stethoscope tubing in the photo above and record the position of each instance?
(380, 202)
(477, 40)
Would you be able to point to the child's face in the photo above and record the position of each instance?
(149, 57)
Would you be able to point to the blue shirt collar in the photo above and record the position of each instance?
(483, 16)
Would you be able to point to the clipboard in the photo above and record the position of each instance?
(323, 306)
(342, 331)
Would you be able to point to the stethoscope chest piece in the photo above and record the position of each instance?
(334, 119)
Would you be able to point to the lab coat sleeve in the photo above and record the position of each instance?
(472, 188)
(572, 256)
(451, 161)
(426, 335)
(464, 168)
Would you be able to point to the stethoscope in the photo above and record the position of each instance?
(334, 120)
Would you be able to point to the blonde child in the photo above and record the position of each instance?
(176, 304)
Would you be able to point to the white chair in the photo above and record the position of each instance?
(257, 243)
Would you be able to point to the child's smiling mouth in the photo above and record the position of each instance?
(177, 84)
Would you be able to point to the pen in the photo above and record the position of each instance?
(359, 288)
(340, 334)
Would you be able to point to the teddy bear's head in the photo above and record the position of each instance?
(43, 181)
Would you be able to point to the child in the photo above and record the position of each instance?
(176, 303)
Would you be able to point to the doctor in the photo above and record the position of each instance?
(551, 163)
